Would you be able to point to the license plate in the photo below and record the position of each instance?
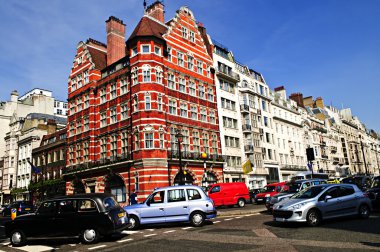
(27, 209)
(280, 219)
(259, 199)
(121, 215)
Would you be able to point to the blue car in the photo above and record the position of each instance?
(172, 204)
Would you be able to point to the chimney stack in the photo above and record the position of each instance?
(51, 126)
(14, 96)
(281, 91)
(156, 11)
(319, 103)
(115, 39)
(297, 97)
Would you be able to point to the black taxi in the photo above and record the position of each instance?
(88, 216)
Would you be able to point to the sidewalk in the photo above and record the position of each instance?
(248, 209)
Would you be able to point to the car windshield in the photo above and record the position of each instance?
(376, 183)
(291, 188)
(309, 192)
(270, 188)
(110, 202)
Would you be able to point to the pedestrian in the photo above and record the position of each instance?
(133, 198)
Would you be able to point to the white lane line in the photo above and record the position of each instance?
(216, 221)
(170, 231)
(186, 228)
(6, 243)
(72, 245)
(149, 235)
(151, 230)
(247, 215)
(97, 247)
(126, 240)
(129, 232)
(227, 219)
(238, 217)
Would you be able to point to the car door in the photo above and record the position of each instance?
(348, 199)
(67, 217)
(177, 207)
(330, 207)
(44, 224)
(216, 195)
(154, 212)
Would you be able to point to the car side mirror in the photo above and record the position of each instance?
(148, 203)
(328, 197)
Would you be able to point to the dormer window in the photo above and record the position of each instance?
(145, 49)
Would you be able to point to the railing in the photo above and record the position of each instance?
(244, 107)
(247, 127)
(173, 154)
(325, 156)
(248, 148)
(229, 73)
(333, 149)
(293, 168)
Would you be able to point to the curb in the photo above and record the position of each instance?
(239, 212)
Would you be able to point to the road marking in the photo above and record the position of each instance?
(238, 217)
(186, 228)
(100, 246)
(149, 235)
(216, 221)
(72, 245)
(227, 219)
(151, 230)
(6, 243)
(120, 241)
(33, 248)
(129, 232)
(263, 232)
(170, 231)
(247, 215)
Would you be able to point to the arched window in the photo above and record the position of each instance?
(146, 73)
(159, 75)
(134, 75)
(115, 185)
(208, 179)
(148, 105)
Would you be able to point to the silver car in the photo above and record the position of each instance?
(317, 203)
(172, 204)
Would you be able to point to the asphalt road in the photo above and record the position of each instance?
(234, 230)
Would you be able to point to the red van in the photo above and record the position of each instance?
(269, 191)
(227, 194)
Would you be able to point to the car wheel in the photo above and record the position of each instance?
(364, 211)
(18, 238)
(313, 218)
(134, 222)
(197, 219)
(89, 236)
(241, 202)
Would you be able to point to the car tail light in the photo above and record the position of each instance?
(19, 209)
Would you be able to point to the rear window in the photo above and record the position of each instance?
(109, 203)
(87, 206)
(193, 194)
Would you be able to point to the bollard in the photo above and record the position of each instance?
(13, 213)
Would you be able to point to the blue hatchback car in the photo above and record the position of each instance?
(172, 204)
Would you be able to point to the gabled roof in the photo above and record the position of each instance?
(148, 27)
(99, 58)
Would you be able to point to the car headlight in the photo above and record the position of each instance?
(296, 206)
(267, 195)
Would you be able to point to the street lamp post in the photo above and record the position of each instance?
(179, 139)
(204, 157)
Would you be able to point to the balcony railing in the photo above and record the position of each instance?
(247, 127)
(244, 108)
(293, 167)
(333, 149)
(325, 156)
(228, 74)
(173, 154)
(248, 148)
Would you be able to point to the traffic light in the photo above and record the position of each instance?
(310, 154)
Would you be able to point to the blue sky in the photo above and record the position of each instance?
(328, 48)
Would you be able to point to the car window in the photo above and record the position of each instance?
(305, 185)
(308, 193)
(157, 197)
(278, 188)
(176, 195)
(67, 206)
(193, 194)
(346, 190)
(110, 202)
(87, 205)
(215, 189)
(48, 207)
(333, 192)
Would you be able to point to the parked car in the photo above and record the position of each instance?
(229, 194)
(317, 203)
(172, 204)
(2, 207)
(253, 192)
(270, 191)
(88, 216)
(292, 187)
(363, 182)
(374, 192)
(333, 181)
(22, 207)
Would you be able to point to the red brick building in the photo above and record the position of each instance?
(128, 100)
